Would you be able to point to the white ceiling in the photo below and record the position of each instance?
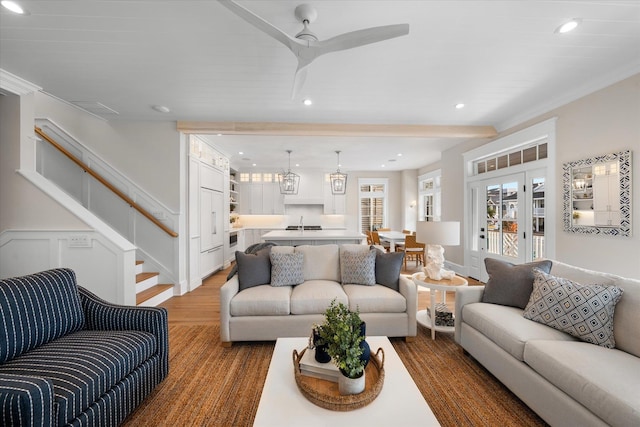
(501, 58)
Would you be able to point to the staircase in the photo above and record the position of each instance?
(149, 293)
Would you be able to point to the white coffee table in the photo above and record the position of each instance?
(399, 403)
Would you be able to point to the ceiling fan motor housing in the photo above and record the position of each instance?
(306, 14)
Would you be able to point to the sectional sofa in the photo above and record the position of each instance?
(565, 380)
(283, 291)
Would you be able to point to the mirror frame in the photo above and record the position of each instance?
(624, 162)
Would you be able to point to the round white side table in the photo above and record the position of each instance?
(445, 286)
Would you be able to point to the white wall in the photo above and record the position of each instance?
(395, 196)
(603, 122)
(23, 206)
(146, 152)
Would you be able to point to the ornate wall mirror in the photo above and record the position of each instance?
(597, 195)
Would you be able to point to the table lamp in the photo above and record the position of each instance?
(436, 234)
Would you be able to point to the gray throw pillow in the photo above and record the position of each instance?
(584, 311)
(253, 269)
(358, 268)
(388, 267)
(510, 284)
(287, 269)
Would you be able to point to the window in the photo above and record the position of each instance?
(373, 203)
(503, 160)
(429, 194)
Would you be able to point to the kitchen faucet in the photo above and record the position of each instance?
(301, 227)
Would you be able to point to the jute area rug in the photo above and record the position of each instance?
(209, 385)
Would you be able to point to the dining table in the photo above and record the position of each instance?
(393, 237)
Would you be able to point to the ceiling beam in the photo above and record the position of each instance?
(337, 129)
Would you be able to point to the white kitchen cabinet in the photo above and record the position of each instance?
(272, 200)
(211, 261)
(211, 231)
(261, 199)
(334, 204)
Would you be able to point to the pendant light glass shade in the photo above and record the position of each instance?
(338, 180)
(289, 181)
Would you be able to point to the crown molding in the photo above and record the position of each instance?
(16, 85)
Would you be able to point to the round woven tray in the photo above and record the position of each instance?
(325, 393)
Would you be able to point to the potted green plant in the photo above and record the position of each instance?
(341, 333)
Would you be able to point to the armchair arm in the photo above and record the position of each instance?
(465, 295)
(25, 401)
(104, 316)
(409, 291)
(227, 292)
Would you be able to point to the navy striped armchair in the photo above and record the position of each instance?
(69, 358)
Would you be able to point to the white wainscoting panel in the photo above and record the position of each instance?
(100, 266)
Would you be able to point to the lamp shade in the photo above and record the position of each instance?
(444, 233)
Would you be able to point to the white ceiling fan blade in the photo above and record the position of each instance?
(361, 38)
(300, 77)
(253, 19)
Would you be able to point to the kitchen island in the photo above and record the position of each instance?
(313, 237)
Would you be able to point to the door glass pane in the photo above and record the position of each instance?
(537, 216)
(510, 219)
(502, 219)
(493, 219)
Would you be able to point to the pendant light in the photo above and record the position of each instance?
(338, 180)
(289, 182)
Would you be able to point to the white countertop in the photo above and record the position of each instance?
(313, 235)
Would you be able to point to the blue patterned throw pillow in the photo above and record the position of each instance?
(358, 268)
(584, 311)
(286, 269)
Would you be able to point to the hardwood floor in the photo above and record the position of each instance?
(202, 306)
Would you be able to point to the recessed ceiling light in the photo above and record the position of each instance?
(568, 26)
(297, 165)
(13, 7)
(381, 166)
(399, 154)
(218, 134)
(459, 106)
(254, 164)
(307, 102)
(161, 109)
(240, 152)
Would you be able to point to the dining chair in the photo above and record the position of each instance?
(413, 250)
(376, 241)
(369, 239)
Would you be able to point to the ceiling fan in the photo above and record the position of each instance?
(306, 46)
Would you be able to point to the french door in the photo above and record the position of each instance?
(507, 220)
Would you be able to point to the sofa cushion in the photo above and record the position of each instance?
(388, 267)
(358, 268)
(37, 309)
(584, 311)
(627, 317)
(321, 262)
(603, 380)
(282, 249)
(253, 269)
(506, 327)
(263, 300)
(314, 296)
(286, 269)
(84, 365)
(510, 284)
(375, 299)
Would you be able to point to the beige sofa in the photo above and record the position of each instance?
(265, 312)
(567, 382)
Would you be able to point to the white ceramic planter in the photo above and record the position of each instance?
(348, 385)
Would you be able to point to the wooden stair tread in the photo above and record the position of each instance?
(144, 276)
(150, 293)
(139, 262)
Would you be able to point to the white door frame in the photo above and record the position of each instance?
(544, 130)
